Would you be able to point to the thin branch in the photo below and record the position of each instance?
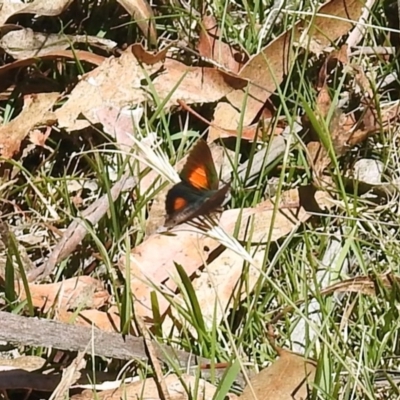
(46, 333)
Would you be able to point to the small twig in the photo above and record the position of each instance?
(198, 116)
(77, 230)
(45, 333)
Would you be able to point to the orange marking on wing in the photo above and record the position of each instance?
(179, 203)
(198, 178)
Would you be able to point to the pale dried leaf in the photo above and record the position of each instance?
(106, 321)
(217, 283)
(120, 124)
(34, 113)
(325, 29)
(197, 84)
(39, 7)
(286, 379)
(369, 171)
(118, 82)
(82, 292)
(38, 138)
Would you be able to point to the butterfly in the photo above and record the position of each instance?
(198, 193)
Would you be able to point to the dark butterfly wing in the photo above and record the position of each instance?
(184, 203)
(199, 170)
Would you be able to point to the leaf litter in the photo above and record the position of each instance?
(266, 70)
(36, 112)
(122, 82)
(119, 84)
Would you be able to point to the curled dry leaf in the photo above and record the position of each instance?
(287, 378)
(148, 389)
(81, 292)
(34, 113)
(142, 13)
(148, 58)
(267, 69)
(25, 43)
(49, 8)
(120, 82)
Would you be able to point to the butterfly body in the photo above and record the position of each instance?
(197, 193)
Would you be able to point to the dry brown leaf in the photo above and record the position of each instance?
(148, 390)
(143, 15)
(119, 82)
(251, 133)
(25, 43)
(38, 138)
(150, 58)
(286, 379)
(81, 292)
(106, 321)
(197, 84)
(326, 29)
(34, 113)
(266, 70)
(116, 82)
(48, 8)
(211, 46)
